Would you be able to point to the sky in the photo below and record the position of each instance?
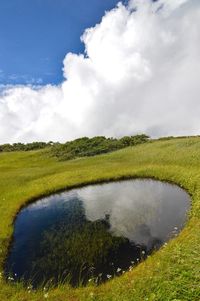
(36, 35)
(69, 69)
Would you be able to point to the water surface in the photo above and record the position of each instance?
(95, 232)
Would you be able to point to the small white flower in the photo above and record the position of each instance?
(143, 252)
(119, 270)
(109, 276)
(46, 295)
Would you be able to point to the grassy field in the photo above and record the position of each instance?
(173, 273)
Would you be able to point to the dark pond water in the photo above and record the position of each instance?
(95, 232)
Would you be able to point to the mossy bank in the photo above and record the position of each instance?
(173, 273)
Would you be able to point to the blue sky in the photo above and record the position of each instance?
(35, 36)
(141, 73)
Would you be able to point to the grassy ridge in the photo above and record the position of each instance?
(173, 273)
(81, 147)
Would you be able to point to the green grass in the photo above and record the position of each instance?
(172, 273)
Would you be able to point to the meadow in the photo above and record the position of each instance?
(171, 274)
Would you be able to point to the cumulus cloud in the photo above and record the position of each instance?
(139, 73)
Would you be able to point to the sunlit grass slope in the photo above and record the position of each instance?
(173, 273)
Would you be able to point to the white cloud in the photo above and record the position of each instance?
(140, 73)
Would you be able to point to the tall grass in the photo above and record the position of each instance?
(173, 273)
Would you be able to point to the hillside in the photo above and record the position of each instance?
(173, 273)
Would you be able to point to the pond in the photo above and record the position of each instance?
(94, 233)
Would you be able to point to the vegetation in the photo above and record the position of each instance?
(171, 274)
(85, 147)
(24, 147)
(81, 147)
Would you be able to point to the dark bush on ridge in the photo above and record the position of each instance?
(85, 146)
(80, 147)
(24, 147)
